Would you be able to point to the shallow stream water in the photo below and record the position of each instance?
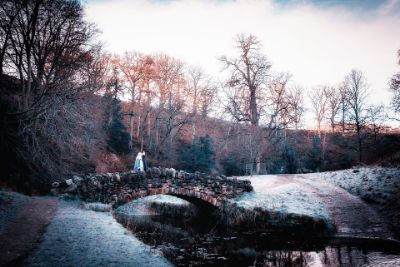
(200, 241)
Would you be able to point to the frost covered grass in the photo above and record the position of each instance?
(166, 199)
(79, 237)
(156, 205)
(285, 199)
(377, 185)
(97, 206)
(278, 202)
(282, 195)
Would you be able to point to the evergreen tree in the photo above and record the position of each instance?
(118, 136)
(289, 158)
(198, 156)
(314, 157)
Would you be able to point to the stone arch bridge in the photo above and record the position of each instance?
(119, 188)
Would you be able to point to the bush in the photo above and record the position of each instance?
(198, 156)
(314, 161)
(289, 158)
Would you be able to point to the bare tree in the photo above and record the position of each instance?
(333, 97)
(376, 119)
(171, 93)
(276, 108)
(343, 105)
(207, 99)
(296, 101)
(137, 69)
(395, 87)
(319, 104)
(201, 91)
(248, 76)
(356, 87)
(47, 47)
(8, 13)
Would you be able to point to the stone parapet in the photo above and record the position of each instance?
(120, 188)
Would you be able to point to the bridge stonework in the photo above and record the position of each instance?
(120, 188)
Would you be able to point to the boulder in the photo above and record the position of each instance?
(77, 180)
(69, 182)
(173, 172)
(156, 172)
(168, 173)
(181, 174)
(71, 188)
(117, 178)
(93, 181)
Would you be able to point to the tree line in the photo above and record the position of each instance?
(69, 106)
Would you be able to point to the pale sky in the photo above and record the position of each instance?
(317, 41)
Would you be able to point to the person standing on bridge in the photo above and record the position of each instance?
(139, 166)
(144, 161)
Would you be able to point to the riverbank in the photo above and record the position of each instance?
(75, 236)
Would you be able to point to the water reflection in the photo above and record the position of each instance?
(200, 241)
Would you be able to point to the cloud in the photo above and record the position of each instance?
(316, 43)
(389, 6)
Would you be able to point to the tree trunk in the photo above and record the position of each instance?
(138, 124)
(359, 145)
(253, 107)
(131, 130)
(193, 129)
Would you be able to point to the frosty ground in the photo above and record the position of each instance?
(358, 201)
(77, 235)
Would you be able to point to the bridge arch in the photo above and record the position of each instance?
(205, 203)
(119, 188)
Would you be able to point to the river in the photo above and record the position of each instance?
(200, 240)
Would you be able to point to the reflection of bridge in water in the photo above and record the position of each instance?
(120, 188)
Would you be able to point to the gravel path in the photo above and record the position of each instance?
(79, 237)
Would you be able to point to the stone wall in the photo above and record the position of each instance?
(120, 188)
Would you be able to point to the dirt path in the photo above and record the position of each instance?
(24, 234)
(351, 216)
